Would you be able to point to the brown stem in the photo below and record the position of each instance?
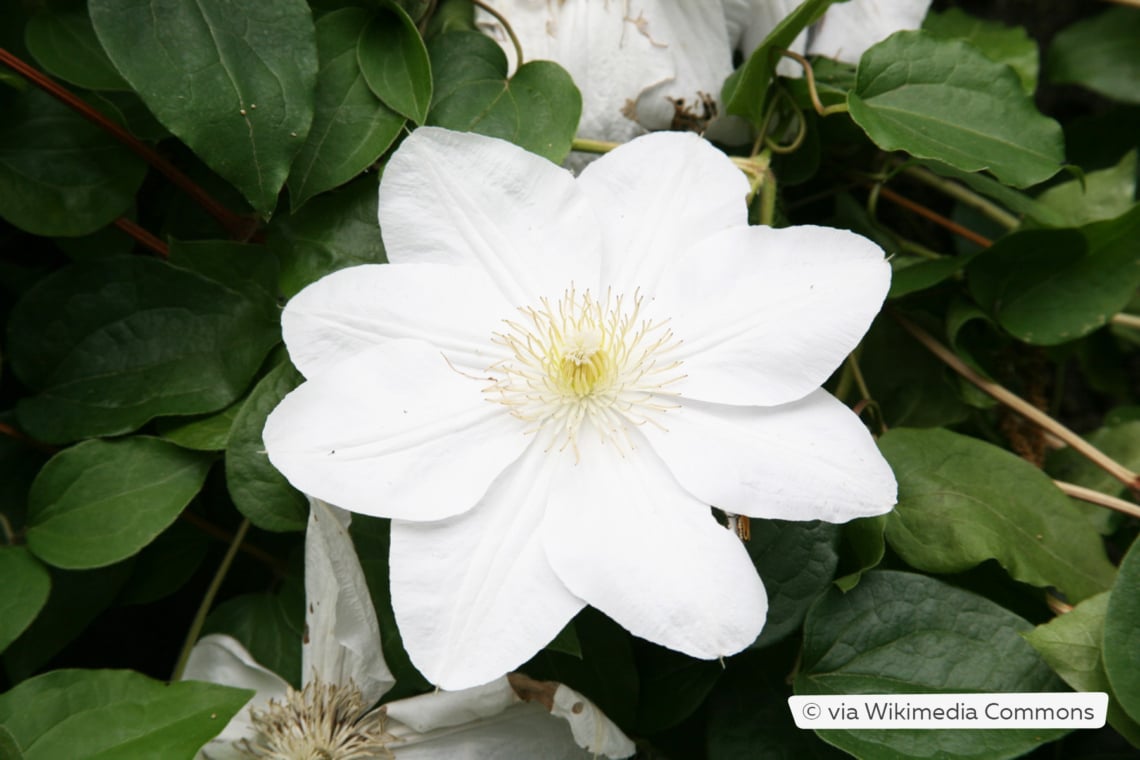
(1098, 498)
(238, 227)
(935, 217)
(213, 531)
(143, 236)
(19, 435)
(1023, 407)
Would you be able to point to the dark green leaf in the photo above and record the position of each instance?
(1014, 200)
(9, 749)
(1120, 441)
(259, 491)
(100, 502)
(395, 63)
(1051, 286)
(1010, 45)
(862, 548)
(566, 641)
(332, 232)
(79, 714)
(166, 564)
(61, 38)
(537, 108)
(673, 686)
(269, 626)
(963, 501)
(797, 561)
(1122, 634)
(901, 633)
(111, 344)
(208, 433)
(351, 128)
(77, 597)
(24, 588)
(944, 100)
(1101, 54)
(925, 273)
(233, 80)
(745, 92)
(1071, 644)
(60, 175)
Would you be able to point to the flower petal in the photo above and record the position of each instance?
(848, 29)
(453, 308)
(765, 315)
(626, 537)
(474, 596)
(590, 726)
(754, 20)
(811, 459)
(491, 205)
(444, 709)
(342, 642)
(520, 731)
(372, 435)
(648, 223)
(221, 659)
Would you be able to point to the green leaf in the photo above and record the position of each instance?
(673, 686)
(797, 561)
(1014, 200)
(1051, 286)
(1071, 644)
(208, 433)
(745, 93)
(926, 273)
(1097, 197)
(395, 63)
(259, 491)
(77, 597)
(901, 633)
(9, 749)
(944, 100)
(538, 108)
(60, 175)
(863, 547)
(1121, 441)
(269, 626)
(80, 714)
(166, 564)
(332, 232)
(24, 591)
(100, 502)
(963, 501)
(351, 128)
(233, 80)
(61, 38)
(1122, 634)
(1010, 45)
(1100, 53)
(111, 344)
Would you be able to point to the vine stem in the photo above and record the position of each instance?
(934, 216)
(507, 26)
(964, 195)
(1126, 320)
(142, 236)
(208, 600)
(583, 145)
(809, 78)
(1023, 407)
(237, 226)
(1098, 498)
(6, 527)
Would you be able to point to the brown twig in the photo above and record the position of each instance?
(238, 227)
(213, 531)
(935, 217)
(1098, 498)
(143, 236)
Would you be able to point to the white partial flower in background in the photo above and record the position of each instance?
(345, 674)
(554, 378)
(640, 64)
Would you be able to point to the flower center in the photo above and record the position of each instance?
(321, 722)
(582, 361)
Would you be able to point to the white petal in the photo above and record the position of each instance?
(811, 459)
(608, 48)
(760, 18)
(372, 435)
(474, 595)
(453, 308)
(766, 315)
(590, 726)
(656, 197)
(848, 29)
(342, 642)
(444, 709)
(461, 198)
(217, 658)
(520, 731)
(626, 537)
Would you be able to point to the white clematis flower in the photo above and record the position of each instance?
(345, 675)
(554, 378)
(640, 64)
(844, 32)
